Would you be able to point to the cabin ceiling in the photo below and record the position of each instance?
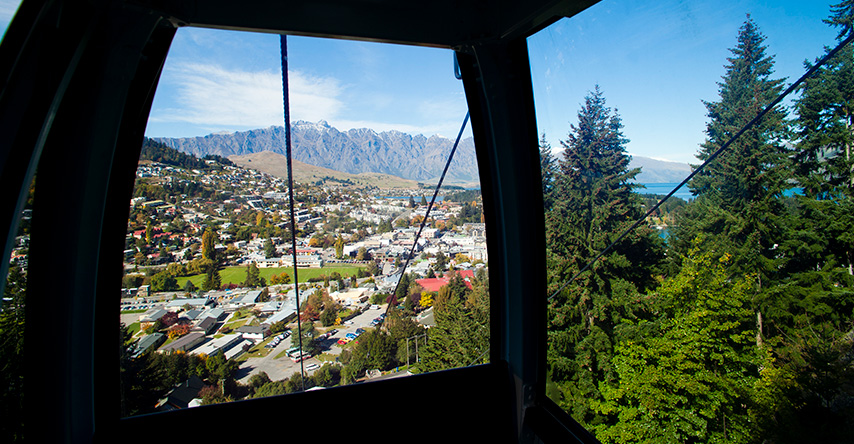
(438, 23)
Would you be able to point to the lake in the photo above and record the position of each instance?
(664, 188)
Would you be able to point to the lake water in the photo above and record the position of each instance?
(664, 188)
(650, 188)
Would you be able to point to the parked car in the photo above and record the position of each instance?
(311, 367)
(350, 336)
(343, 341)
(359, 331)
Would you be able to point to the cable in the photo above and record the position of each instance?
(429, 207)
(283, 43)
(714, 155)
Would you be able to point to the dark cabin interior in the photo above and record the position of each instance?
(78, 82)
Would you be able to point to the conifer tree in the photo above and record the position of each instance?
(548, 164)
(814, 305)
(738, 194)
(253, 276)
(593, 203)
(824, 159)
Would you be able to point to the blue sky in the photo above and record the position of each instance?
(655, 61)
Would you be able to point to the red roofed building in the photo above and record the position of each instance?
(434, 284)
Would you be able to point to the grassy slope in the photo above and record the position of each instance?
(276, 164)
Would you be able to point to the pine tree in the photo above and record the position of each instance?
(548, 165)
(253, 276)
(814, 304)
(739, 194)
(269, 248)
(842, 16)
(593, 203)
(824, 160)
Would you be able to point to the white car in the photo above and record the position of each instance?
(311, 367)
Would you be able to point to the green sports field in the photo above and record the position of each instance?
(237, 275)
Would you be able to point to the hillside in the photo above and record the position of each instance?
(659, 171)
(277, 165)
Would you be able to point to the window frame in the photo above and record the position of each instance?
(82, 127)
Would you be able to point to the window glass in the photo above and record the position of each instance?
(209, 299)
(7, 11)
(708, 320)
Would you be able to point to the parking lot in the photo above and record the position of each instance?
(284, 367)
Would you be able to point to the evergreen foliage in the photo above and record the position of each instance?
(748, 336)
(737, 203)
(592, 203)
(461, 335)
(159, 152)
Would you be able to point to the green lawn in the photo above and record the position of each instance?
(237, 275)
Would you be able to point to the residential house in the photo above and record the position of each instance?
(253, 332)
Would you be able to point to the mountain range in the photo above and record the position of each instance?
(358, 151)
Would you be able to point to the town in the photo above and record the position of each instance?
(209, 275)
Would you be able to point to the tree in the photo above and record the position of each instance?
(339, 247)
(375, 350)
(690, 378)
(281, 278)
(373, 269)
(328, 317)
(269, 248)
(402, 289)
(253, 276)
(593, 203)
(362, 254)
(257, 380)
(738, 201)
(548, 166)
(384, 226)
(461, 335)
(163, 281)
(212, 279)
(308, 334)
(825, 129)
(209, 240)
(441, 261)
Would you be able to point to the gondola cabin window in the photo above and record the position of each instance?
(698, 232)
(251, 274)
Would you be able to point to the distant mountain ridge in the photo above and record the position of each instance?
(354, 151)
(363, 150)
(659, 171)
